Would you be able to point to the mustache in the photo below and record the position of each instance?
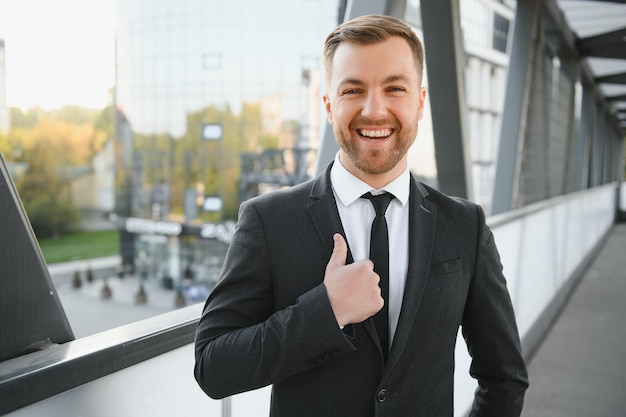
(373, 123)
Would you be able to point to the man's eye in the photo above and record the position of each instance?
(395, 89)
(351, 91)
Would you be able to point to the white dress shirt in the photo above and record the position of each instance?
(357, 214)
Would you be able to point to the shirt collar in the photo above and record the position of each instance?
(349, 188)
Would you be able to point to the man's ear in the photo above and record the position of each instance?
(327, 107)
(422, 101)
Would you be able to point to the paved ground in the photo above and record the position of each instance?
(89, 312)
(580, 369)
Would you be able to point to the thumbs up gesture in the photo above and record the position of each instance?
(352, 289)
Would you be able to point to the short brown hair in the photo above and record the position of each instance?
(369, 29)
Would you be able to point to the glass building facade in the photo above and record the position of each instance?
(215, 101)
(486, 29)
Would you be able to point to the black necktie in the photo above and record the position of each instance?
(379, 254)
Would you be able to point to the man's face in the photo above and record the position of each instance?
(374, 103)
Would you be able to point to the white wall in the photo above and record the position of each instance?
(540, 247)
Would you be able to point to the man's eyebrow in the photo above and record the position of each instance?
(389, 80)
(395, 78)
(351, 81)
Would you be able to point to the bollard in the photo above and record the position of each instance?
(106, 292)
(141, 297)
(89, 275)
(180, 299)
(77, 282)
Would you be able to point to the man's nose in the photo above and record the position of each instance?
(374, 106)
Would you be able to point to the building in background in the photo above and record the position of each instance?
(215, 102)
(93, 190)
(219, 101)
(485, 28)
(4, 109)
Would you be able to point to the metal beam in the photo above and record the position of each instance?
(31, 315)
(606, 45)
(445, 65)
(619, 97)
(519, 79)
(584, 136)
(619, 78)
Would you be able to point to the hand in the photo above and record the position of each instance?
(352, 289)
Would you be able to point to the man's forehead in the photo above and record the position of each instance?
(393, 41)
(356, 63)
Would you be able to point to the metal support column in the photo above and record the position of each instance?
(519, 78)
(445, 65)
(584, 137)
(31, 315)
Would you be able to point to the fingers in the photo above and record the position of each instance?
(340, 252)
(353, 289)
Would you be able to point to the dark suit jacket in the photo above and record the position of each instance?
(269, 320)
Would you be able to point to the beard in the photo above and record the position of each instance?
(375, 161)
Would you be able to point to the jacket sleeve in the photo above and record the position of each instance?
(491, 334)
(241, 342)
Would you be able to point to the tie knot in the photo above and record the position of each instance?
(380, 201)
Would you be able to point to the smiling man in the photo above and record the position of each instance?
(347, 292)
(374, 104)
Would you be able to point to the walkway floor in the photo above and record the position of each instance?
(580, 369)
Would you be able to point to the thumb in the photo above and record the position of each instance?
(340, 251)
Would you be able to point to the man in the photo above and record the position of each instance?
(298, 301)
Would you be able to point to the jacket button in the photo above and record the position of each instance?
(381, 395)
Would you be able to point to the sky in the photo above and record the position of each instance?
(58, 52)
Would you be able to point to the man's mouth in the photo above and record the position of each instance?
(375, 134)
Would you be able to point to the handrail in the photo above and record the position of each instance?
(60, 367)
(509, 216)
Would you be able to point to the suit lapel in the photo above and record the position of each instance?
(422, 218)
(325, 216)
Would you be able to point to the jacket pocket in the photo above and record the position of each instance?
(443, 268)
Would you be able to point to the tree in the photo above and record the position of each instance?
(8, 147)
(50, 143)
(78, 132)
(44, 195)
(25, 119)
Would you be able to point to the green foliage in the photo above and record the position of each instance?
(45, 196)
(103, 121)
(77, 115)
(7, 147)
(270, 142)
(53, 142)
(27, 119)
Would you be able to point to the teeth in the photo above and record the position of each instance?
(376, 133)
